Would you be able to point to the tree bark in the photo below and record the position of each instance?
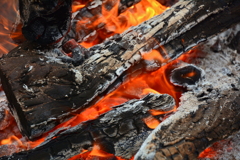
(121, 132)
(37, 81)
(209, 111)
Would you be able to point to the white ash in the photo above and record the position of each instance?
(78, 76)
(223, 81)
(219, 66)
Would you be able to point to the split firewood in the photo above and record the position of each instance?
(120, 131)
(208, 112)
(43, 91)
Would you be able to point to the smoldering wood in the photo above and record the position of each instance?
(37, 81)
(186, 74)
(120, 131)
(209, 111)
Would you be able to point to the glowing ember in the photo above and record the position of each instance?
(10, 140)
(77, 6)
(189, 75)
(151, 122)
(208, 153)
(216, 149)
(96, 153)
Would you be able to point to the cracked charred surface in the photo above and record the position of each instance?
(209, 111)
(38, 81)
(121, 132)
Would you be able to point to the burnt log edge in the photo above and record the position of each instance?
(121, 128)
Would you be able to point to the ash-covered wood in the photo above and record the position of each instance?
(209, 111)
(121, 132)
(43, 91)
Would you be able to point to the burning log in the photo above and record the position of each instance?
(98, 20)
(121, 131)
(38, 81)
(208, 111)
(84, 25)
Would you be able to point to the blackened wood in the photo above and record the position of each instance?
(45, 22)
(124, 4)
(35, 81)
(209, 111)
(168, 2)
(120, 131)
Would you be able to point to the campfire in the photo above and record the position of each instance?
(122, 79)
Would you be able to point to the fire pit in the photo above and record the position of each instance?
(111, 99)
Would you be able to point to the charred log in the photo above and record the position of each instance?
(38, 81)
(209, 111)
(120, 132)
(45, 22)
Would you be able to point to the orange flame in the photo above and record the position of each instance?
(157, 113)
(8, 16)
(76, 6)
(189, 75)
(10, 140)
(114, 23)
(151, 122)
(96, 153)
